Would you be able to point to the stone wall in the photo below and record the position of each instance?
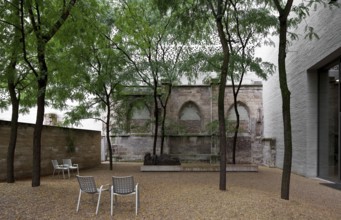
(190, 111)
(82, 146)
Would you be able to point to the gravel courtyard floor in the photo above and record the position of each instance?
(174, 195)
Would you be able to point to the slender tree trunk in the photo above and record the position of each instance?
(236, 130)
(169, 91)
(15, 99)
(285, 188)
(222, 131)
(38, 129)
(108, 134)
(42, 80)
(283, 28)
(156, 117)
(13, 136)
(163, 130)
(221, 98)
(41, 93)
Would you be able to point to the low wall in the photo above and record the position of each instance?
(82, 146)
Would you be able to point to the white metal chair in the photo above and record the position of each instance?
(124, 186)
(57, 167)
(68, 162)
(87, 185)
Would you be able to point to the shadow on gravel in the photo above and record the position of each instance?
(332, 185)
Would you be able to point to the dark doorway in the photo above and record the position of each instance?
(329, 122)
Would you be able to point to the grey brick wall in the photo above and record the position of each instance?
(304, 57)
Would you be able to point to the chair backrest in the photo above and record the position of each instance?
(87, 184)
(67, 162)
(55, 163)
(123, 184)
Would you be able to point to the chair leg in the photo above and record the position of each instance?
(79, 200)
(137, 198)
(111, 202)
(136, 203)
(99, 199)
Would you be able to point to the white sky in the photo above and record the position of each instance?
(88, 124)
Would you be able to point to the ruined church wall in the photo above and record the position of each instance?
(198, 143)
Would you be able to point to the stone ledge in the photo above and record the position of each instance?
(208, 168)
(161, 168)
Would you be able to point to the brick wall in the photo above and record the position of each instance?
(56, 142)
(304, 58)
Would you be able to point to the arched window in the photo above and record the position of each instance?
(244, 119)
(190, 118)
(140, 119)
(141, 113)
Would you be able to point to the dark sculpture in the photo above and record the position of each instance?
(163, 159)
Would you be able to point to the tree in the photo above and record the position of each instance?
(286, 21)
(15, 73)
(283, 28)
(219, 11)
(173, 66)
(45, 20)
(249, 25)
(103, 79)
(92, 72)
(10, 73)
(152, 44)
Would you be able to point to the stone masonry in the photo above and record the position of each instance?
(191, 109)
(82, 146)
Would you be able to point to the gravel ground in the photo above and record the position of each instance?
(174, 195)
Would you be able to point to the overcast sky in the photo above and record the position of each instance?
(88, 124)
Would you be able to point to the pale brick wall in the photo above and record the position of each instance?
(303, 59)
(54, 146)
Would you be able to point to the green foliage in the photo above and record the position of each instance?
(213, 127)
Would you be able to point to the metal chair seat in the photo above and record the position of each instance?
(87, 185)
(124, 186)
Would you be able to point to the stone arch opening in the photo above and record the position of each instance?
(140, 118)
(244, 117)
(190, 118)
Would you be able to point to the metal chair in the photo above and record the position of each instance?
(124, 186)
(87, 185)
(68, 162)
(57, 167)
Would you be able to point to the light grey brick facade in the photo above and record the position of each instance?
(304, 58)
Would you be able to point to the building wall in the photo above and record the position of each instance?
(195, 142)
(55, 145)
(304, 58)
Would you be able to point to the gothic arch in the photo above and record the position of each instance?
(190, 118)
(139, 119)
(244, 116)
